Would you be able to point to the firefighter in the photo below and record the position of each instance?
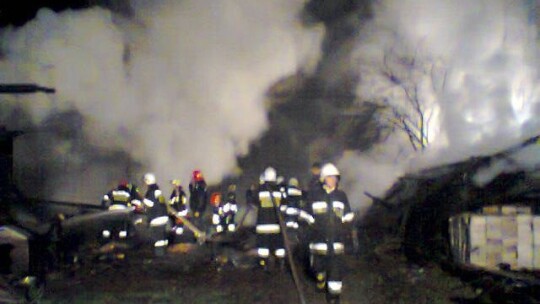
(118, 197)
(178, 205)
(251, 199)
(157, 214)
(230, 208)
(139, 209)
(217, 211)
(251, 202)
(294, 202)
(330, 210)
(282, 184)
(269, 239)
(197, 194)
(314, 182)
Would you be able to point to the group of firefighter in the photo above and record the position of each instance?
(323, 208)
(164, 215)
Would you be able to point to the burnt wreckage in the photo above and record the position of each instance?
(483, 232)
(40, 236)
(23, 246)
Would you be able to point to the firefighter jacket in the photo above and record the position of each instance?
(267, 219)
(197, 196)
(155, 202)
(330, 210)
(135, 192)
(224, 213)
(178, 200)
(118, 196)
(217, 214)
(136, 198)
(292, 206)
(230, 208)
(314, 184)
(294, 199)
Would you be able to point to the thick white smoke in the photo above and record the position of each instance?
(181, 86)
(370, 172)
(474, 65)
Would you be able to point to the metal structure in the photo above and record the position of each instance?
(25, 88)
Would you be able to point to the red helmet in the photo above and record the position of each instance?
(197, 176)
(123, 183)
(215, 199)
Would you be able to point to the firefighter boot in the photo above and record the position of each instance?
(333, 291)
(282, 265)
(332, 298)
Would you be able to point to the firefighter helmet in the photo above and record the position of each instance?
(231, 192)
(270, 175)
(149, 178)
(293, 181)
(329, 170)
(176, 182)
(123, 183)
(215, 199)
(198, 176)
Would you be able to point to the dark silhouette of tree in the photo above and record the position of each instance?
(407, 85)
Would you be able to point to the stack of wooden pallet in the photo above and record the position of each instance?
(508, 235)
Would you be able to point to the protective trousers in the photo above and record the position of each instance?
(269, 242)
(326, 261)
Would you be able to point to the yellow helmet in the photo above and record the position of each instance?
(293, 181)
(176, 182)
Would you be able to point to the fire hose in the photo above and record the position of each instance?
(244, 216)
(288, 251)
(199, 234)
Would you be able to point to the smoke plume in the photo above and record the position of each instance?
(473, 67)
(180, 85)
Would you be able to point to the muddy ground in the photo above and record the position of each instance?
(191, 274)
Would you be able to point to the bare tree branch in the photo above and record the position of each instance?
(407, 74)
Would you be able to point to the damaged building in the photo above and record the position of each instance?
(477, 218)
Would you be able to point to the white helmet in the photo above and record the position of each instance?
(270, 175)
(149, 178)
(329, 170)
